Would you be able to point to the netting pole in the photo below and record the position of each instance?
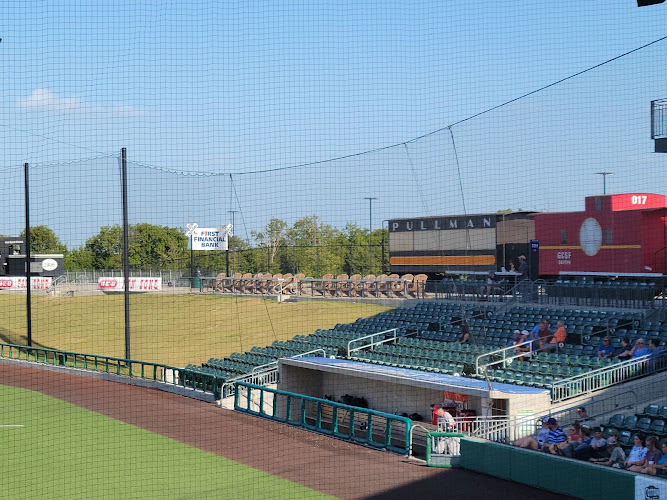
(126, 251)
(28, 274)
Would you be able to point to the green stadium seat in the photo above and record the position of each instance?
(650, 411)
(657, 427)
(629, 423)
(643, 424)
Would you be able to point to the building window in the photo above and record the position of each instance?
(598, 204)
(608, 240)
(563, 236)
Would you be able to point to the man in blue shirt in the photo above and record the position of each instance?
(556, 438)
(653, 348)
(605, 350)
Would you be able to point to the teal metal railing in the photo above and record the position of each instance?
(117, 366)
(448, 455)
(361, 425)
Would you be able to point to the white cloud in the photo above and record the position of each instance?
(46, 100)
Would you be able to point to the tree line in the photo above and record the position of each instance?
(309, 246)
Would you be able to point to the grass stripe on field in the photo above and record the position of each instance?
(170, 329)
(64, 451)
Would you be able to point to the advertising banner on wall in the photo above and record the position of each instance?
(136, 284)
(650, 488)
(19, 283)
(208, 238)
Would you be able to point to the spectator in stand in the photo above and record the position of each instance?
(616, 454)
(492, 282)
(523, 268)
(543, 334)
(575, 432)
(537, 441)
(597, 447)
(526, 348)
(560, 335)
(624, 352)
(639, 349)
(582, 443)
(465, 334)
(653, 455)
(654, 348)
(637, 455)
(586, 421)
(524, 286)
(660, 467)
(514, 340)
(556, 439)
(511, 267)
(605, 349)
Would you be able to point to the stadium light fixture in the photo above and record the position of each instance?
(604, 180)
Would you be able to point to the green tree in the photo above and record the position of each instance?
(44, 240)
(313, 248)
(105, 247)
(151, 247)
(78, 259)
(270, 239)
(156, 247)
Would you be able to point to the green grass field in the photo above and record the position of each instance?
(170, 329)
(64, 451)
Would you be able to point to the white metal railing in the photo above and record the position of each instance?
(262, 374)
(268, 376)
(480, 369)
(602, 378)
(304, 354)
(375, 339)
(498, 429)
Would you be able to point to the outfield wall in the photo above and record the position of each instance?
(561, 475)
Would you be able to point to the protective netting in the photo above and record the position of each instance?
(307, 127)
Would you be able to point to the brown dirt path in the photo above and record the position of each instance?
(328, 465)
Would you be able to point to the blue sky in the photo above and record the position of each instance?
(242, 87)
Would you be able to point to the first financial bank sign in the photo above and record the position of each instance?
(209, 238)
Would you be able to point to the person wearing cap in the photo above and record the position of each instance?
(515, 339)
(616, 454)
(524, 349)
(523, 268)
(537, 441)
(556, 439)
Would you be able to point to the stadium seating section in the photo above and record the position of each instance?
(428, 331)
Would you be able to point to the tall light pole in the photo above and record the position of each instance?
(370, 232)
(604, 180)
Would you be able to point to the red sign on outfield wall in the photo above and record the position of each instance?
(19, 283)
(136, 284)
